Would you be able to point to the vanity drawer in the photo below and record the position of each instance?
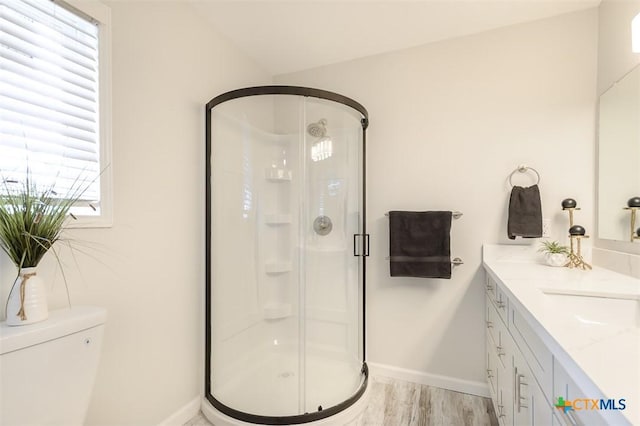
(490, 288)
(536, 354)
(492, 365)
(497, 297)
(491, 319)
(503, 343)
(502, 304)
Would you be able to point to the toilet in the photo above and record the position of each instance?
(47, 369)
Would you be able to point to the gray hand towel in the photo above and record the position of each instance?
(525, 213)
(419, 244)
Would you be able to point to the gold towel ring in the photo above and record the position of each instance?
(522, 169)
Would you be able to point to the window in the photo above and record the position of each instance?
(54, 99)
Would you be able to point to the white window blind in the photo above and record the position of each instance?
(49, 106)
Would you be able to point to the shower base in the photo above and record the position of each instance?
(346, 417)
(279, 374)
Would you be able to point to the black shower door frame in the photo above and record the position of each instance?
(363, 252)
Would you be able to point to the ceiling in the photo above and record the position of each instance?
(289, 36)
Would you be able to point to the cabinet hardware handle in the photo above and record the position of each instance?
(501, 414)
(489, 324)
(520, 404)
(489, 287)
(518, 397)
(500, 304)
(499, 350)
(519, 384)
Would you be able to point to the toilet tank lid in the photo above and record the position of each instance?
(60, 323)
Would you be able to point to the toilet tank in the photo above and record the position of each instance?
(47, 369)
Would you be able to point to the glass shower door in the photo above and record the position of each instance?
(255, 174)
(331, 278)
(285, 288)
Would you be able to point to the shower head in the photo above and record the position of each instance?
(319, 129)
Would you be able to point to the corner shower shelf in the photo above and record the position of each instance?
(276, 310)
(277, 219)
(277, 267)
(278, 175)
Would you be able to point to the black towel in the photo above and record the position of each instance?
(525, 213)
(419, 244)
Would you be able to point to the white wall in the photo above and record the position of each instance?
(615, 59)
(148, 269)
(449, 122)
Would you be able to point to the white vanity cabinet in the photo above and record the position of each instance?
(556, 335)
(526, 379)
(499, 347)
(516, 392)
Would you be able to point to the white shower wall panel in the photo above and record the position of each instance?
(241, 335)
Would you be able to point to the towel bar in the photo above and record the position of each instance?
(454, 214)
(455, 261)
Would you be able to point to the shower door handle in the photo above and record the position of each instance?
(361, 245)
(366, 251)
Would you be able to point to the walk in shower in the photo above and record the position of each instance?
(286, 249)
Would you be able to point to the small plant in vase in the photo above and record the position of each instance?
(555, 254)
(32, 219)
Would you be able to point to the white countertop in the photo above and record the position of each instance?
(599, 334)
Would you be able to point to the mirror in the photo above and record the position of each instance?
(619, 157)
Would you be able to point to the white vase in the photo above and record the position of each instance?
(28, 299)
(556, 259)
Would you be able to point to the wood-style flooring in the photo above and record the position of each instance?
(398, 403)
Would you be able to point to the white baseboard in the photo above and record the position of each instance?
(444, 382)
(184, 414)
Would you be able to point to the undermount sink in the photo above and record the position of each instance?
(595, 308)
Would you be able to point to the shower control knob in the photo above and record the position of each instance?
(322, 225)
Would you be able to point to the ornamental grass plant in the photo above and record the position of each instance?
(32, 218)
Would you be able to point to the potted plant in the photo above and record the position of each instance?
(32, 219)
(555, 254)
